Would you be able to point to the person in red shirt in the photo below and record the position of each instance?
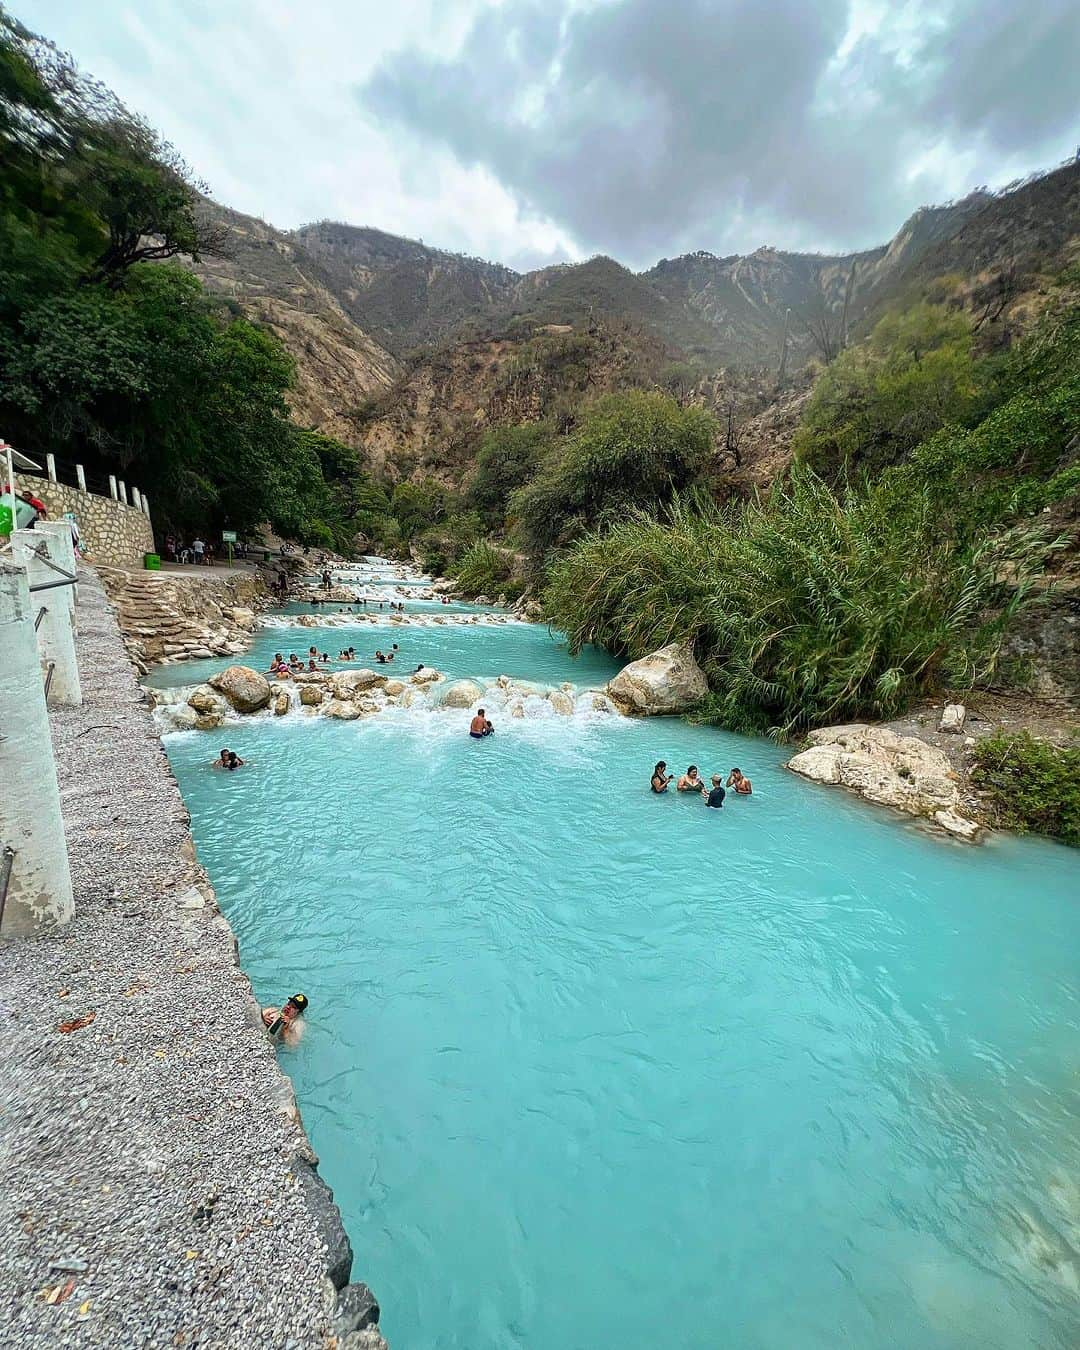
(37, 504)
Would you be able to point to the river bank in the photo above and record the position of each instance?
(156, 1183)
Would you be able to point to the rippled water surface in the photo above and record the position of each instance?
(591, 1068)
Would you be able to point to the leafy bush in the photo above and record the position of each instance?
(631, 449)
(489, 570)
(1031, 785)
(812, 606)
(877, 401)
(508, 457)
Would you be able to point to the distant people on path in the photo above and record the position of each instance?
(283, 1023)
(691, 781)
(480, 727)
(660, 777)
(36, 510)
(717, 795)
(198, 548)
(170, 548)
(327, 582)
(739, 781)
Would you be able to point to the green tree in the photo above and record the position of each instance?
(507, 458)
(636, 449)
(877, 401)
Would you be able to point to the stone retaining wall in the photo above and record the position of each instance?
(111, 534)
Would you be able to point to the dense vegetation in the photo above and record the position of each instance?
(1030, 785)
(845, 596)
(111, 355)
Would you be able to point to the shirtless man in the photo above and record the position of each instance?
(691, 782)
(480, 727)
(283, 1022)
(738, 780)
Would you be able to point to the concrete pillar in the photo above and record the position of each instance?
(39, 892)
(61, 552)
(56, 632)
(50, 465)
(123, 491)
(80, 474)
(112, 486)
(146, 506)
(135, 499)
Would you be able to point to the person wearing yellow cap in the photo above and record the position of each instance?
(284, 1023)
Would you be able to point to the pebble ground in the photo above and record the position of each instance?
(149, 1158)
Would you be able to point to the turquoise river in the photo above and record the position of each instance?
(596, 1070)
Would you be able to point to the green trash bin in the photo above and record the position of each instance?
(152, 562)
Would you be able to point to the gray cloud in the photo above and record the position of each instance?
(646, 127)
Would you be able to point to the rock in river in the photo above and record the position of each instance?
(462, 694)
(899, 771)
(667, 681)
(245, 688)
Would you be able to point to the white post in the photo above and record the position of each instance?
(80, 474)
(123, 491)
(112, 486)
(146, 506)
(39, 890)
(56, 632)
(50, 466)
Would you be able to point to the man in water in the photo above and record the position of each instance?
(660, 777)
(691, 781)
(283, 1023)
(480, 727)
(222, 761)
(717, 795)
(738, 780)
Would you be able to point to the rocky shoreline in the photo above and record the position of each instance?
(156, 1183)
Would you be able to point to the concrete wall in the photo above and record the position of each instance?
(112, 534)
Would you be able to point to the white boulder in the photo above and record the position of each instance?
(664, 682)
(246, 690)
(462, 694)
(953, 718)
(899, 771)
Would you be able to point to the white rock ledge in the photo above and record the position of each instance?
(899, 771)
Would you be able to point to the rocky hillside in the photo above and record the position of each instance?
(270, 277)
(408, 351)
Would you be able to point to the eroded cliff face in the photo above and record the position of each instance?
(269, 276)
(430, 422)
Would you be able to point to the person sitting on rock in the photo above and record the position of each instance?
(660, 777)
(717, 795)
(283, 1023)
(480, 727)
(739, 781)
(691, 781)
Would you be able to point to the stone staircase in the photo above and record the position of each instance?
(177, 616)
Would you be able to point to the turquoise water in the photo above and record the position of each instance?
(591, 1068)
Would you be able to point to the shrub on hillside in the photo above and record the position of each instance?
(487, 570)
(628, 450)
(915, 374)
(1030, 784)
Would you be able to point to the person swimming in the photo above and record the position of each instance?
(660, 777)
(691, 781)
(282, 1023)
(480, 727)
(739, 781)
(222, 761)
(380, 657)
(277, 661)
(717, 795)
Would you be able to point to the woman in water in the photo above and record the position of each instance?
(691, 782)
(660, 777)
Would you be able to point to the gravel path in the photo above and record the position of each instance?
(153, 1158)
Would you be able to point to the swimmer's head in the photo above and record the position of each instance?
(480, 712)
(661, 765)
(692, 769)
(298, 1003)
(737, 772)
(716, 780)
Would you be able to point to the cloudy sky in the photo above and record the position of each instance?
(532, 131)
